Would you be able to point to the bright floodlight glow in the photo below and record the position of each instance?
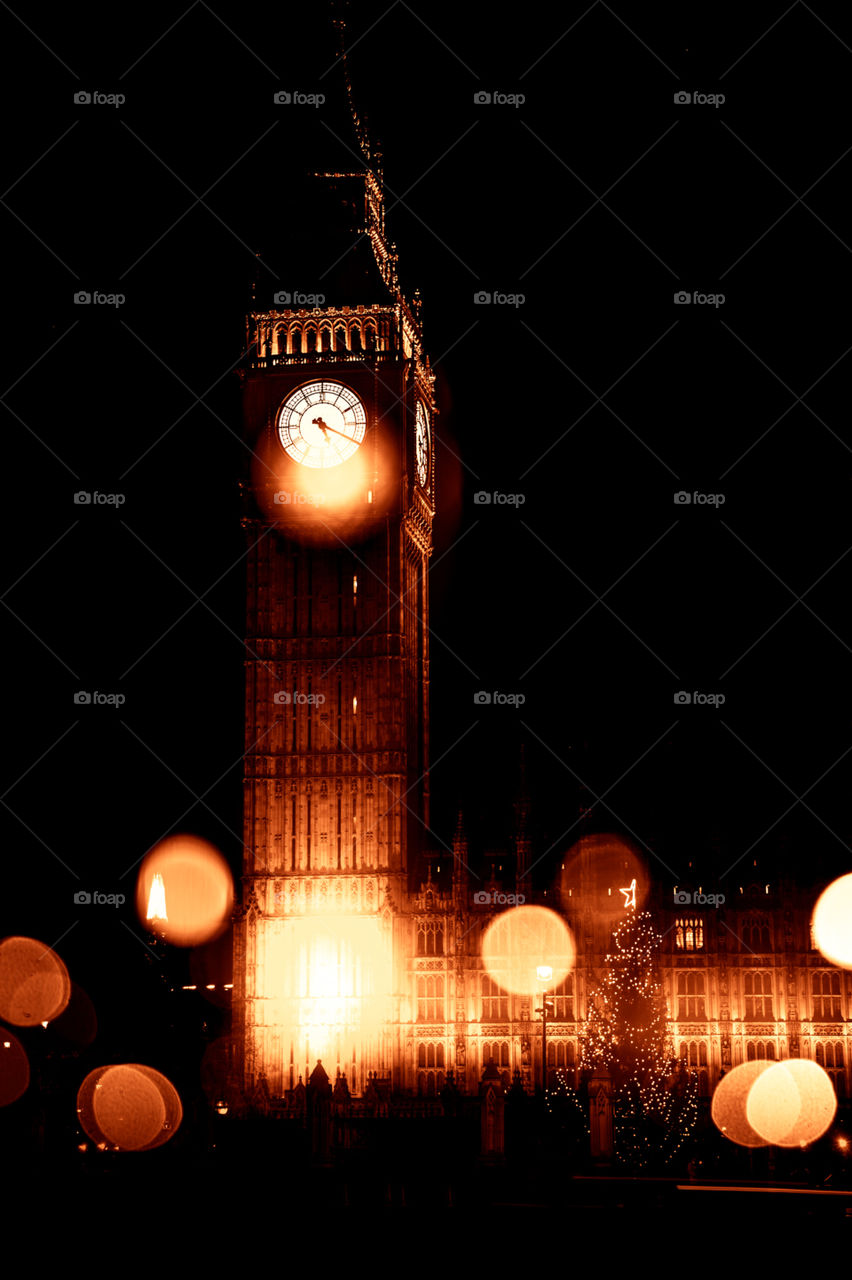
(325, 983)
(521, 941)
(14, 1069)
(129, 1107)
(832, 922)
(728, 1108)
(34, 983)
(792, 1104)
(197, 886)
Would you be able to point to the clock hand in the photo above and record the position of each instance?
(324, 427)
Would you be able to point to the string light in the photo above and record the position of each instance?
(655, 1099)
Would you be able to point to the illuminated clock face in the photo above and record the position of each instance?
(421, 444)
(321, 424)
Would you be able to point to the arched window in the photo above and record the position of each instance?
(829, 1056)
(826, 993)
(690, 996)
(758, 995)
(694, 1055)
(430, 938)
(760, 1050)
(340, 343)
(563, 1001)
(430, 999)
(495, 1002)
(689, 933)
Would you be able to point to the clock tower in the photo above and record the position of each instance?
(338, 414)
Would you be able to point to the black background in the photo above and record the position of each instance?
(597, 198)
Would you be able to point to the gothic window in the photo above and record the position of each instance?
(563, 1001)
(693, 1054)
(829, 1056)
(690, 996)
(760, 1050)
(758, 995)
(497, 1051)
(826, 993)
(430, 938)
(689, 933)
(755, 934)
(560, 1057)
(495, 1002)
(430, 999)
(340, 338)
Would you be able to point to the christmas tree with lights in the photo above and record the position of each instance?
(654, 1100)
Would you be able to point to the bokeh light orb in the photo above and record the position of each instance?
(730, 1099)
(523, 940)
(14, 1068)
(128, 1107)
(34, 983)
(832, 922)
(598, 867)
(792, 1104)
(185, 891)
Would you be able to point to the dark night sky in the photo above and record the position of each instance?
(599, 598)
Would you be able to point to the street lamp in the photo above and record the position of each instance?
(544, 973)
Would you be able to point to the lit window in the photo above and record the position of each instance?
(826, 993)
(690, 996)
(495, 1002)
(689, 933)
